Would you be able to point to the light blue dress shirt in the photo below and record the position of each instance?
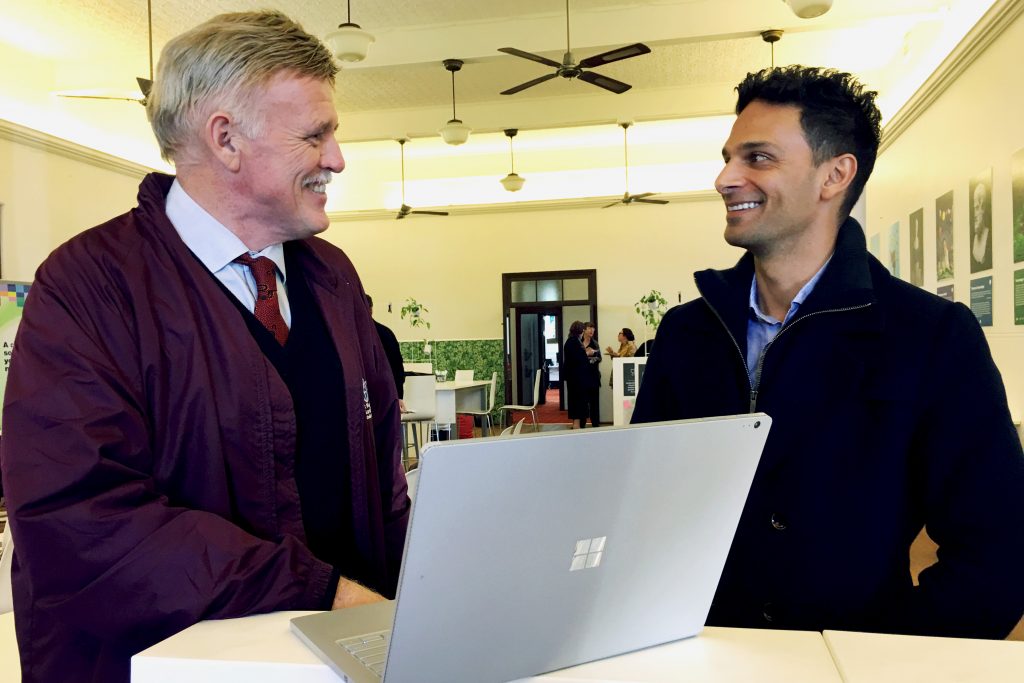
(216, 247)
(762, 328)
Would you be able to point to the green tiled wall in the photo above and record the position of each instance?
(482, 356)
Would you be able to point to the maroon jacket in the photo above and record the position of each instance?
(148, 451)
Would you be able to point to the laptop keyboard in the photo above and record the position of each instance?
(371, 649)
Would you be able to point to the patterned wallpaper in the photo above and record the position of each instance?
(482, 356)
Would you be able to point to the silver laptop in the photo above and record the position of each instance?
(530, 554)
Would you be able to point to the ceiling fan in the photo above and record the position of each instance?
(630, 198)
(570, 69)
(145, 84)
(406, 209)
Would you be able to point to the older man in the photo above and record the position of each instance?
(200, 422)
(888, 412)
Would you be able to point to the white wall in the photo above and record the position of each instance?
(48, 197)
(974, 125)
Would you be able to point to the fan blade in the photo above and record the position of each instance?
(617, 87)
(99, 97)
(615, 55)
(651, 201)
(645, 194)
(431, 213)
(615, 203)
(529, 55)
(145, 85)
(528, 84)
(123, 95)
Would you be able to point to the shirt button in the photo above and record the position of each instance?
(768, 612)
(777, 523)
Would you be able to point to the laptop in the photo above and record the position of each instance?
(530, 554)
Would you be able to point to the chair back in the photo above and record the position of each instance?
(420, 397)
(536, 389)
(494, 383)
(507, 431)
(6, 599)
(518, 426)
(425, 368)
(412, 478)
(463, 375)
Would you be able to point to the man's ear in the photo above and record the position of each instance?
(222, 140)
(841, 172)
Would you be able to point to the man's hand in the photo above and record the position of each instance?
(401, 406)
(351, 594)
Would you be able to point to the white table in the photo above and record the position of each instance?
(262, 649)
(881, 658)
(10, 664)
(456, 396)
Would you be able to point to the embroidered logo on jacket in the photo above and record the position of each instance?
(366, 401)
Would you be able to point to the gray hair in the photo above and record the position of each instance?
(220, 63)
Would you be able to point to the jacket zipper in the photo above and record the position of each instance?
(760, 359)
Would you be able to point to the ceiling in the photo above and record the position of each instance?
(700, 50)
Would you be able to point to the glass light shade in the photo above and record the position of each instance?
(808, 9)
(455, 132)
(513, 182)
(349, 42)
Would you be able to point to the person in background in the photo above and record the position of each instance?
(393, 351)
(627, 347)
(199, 420)
(592, 377)
(576, 368)
(888, 413)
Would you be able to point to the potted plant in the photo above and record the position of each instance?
(415, 311)
(652, 307)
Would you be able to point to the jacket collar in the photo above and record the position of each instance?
(152, 198)
(846, 282)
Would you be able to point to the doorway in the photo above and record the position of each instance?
(538, 309)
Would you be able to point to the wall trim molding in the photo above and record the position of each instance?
(516, 207)
(999, 17)
(70, 150)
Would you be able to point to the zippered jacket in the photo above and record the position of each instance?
(888, 414)
(149, 450)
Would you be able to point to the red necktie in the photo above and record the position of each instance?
(268, 311)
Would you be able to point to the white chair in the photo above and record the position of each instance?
(425, 368)
(6, 600)
(463, 375)
(519, 426)
(421, 400)
(507, 431)
(412, 478)
(536, 400)
(485, 413)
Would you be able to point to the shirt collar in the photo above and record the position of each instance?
(213, 244)
(800, 297)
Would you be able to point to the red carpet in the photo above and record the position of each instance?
(547, 413)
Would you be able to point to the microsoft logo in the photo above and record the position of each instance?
(588, 553)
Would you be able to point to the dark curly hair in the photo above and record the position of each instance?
(837, 113)
(628, 334)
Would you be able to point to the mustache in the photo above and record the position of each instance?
(321, 178)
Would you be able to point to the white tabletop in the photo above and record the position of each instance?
(10, 664)
(464, 384)
(881, 658)
(262, 649)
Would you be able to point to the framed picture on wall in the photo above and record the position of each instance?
(980, 244)
(944, 237)
(917, 248)
(894, 249)
(1017, 190)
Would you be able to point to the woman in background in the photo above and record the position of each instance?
(627, 345)
(575, 366)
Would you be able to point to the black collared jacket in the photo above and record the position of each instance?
(888, 415)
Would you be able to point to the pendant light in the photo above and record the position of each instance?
(513, 182)
(808, 9)
(349, 42)
(772, 36)
(455, 132)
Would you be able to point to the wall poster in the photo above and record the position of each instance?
(944, 237)
(981, 222)
(894, 249)
(1017, 185)
(946, 292)
(12, 301)
(981, 300)
(1018, 297)
(917, 248)
(875, 246)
